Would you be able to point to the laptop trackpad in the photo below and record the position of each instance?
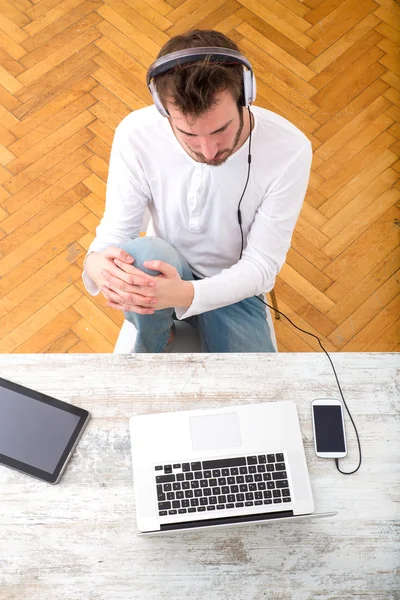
(215, 432)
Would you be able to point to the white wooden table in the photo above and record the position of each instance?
(77, 540)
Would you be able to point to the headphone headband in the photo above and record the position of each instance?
(191, 55)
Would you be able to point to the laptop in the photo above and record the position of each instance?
(217, 467)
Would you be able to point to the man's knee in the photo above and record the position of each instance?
(150, 248)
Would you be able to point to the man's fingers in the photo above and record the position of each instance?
(159, 265)
(127, 290)
(127, 299)
(135, 276)
(135, 309)
(115, 301)
(115, 252)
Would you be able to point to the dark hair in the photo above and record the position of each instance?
(192, 88)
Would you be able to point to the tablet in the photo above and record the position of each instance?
(37, 432)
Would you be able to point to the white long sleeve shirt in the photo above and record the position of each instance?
(194, 205)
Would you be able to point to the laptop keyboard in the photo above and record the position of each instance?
(229, 483)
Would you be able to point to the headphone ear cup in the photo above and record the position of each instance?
(157, 101)
(249, 87)
(254, 86)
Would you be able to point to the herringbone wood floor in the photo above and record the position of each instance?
(71, 70)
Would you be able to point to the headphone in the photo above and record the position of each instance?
(192, 55)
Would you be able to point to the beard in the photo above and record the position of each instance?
(222, 155)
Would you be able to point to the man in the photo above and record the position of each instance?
(208, 261)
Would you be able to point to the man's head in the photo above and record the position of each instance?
(203, 98)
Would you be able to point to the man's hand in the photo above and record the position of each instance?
(102, 268)
(169, 289)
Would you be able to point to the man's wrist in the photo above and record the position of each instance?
(187, 295)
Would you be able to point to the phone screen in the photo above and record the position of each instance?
(329, 428)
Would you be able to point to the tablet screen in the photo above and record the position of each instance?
(37, 432)
(33, 432)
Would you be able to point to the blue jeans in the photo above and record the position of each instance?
(239, 327)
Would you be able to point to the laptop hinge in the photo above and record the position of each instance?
(227, 520)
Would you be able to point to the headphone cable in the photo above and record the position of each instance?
(291, 322)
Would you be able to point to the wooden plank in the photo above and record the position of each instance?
(276, 52)
(67, 189)
(383, 320)
(388, 17)
(38, 240)
(388, 340)
(282, 25)
(367, 314)
(346, 134)
(311, 234)
(269, 64)
(108, 99)
(95, 204)
(47, 335)
(305, 268)
(349, 112)
(338, 102)
(338, 26)
(379, 251)
(360, 161)
(80, 348)
(331, 63)
(115, 315)
(22, 128)
(56, 31)
(40, 185)
(340, 159)
(286, 108)
(126, 43)
(51, 142)
(147, 12)
(129, 29)
(358, 215)
(49, 160)
(380, 230)
(117, 88)
(99, 148)
(305, 288)
(97, 318)
(12, 12)
(28, 328)
(50, 16)
(10, 83)
(274, 36)
(41, 132)
(363, 287)
(322, 10)
(307, 248)
(90, 221)
(45, 54)
(91, 337)
(292, 339)
(141, 23)
(358, 183)
(10, 46)
(62, 344)
(98, 167)
(221, 15)
(298, 320)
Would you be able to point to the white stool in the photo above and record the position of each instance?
(186, 337)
